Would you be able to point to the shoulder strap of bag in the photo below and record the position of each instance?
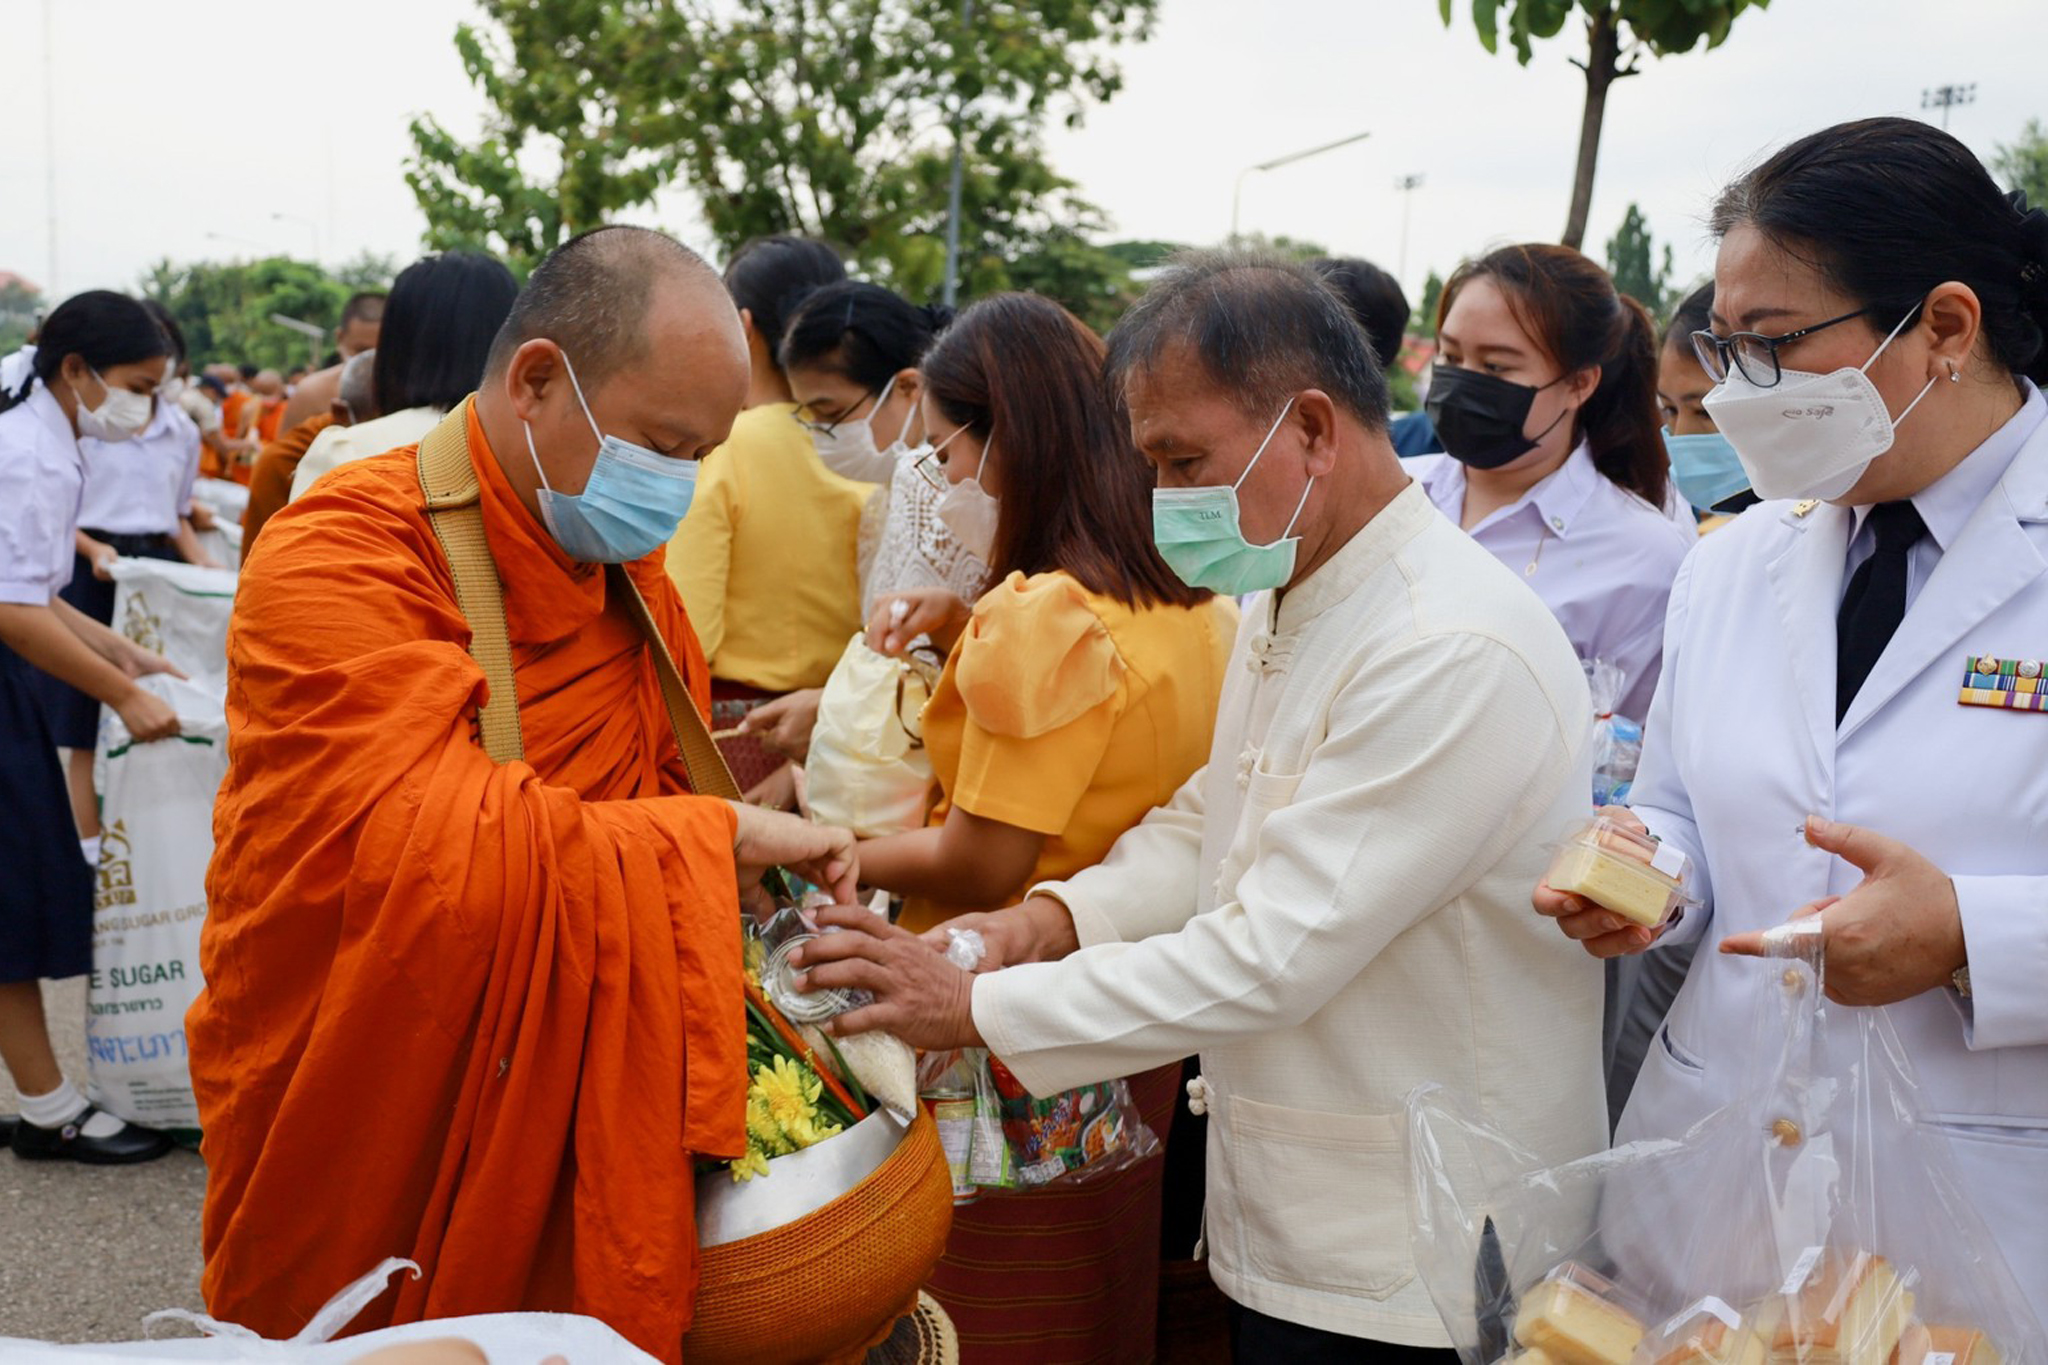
(709, 776)
(448, 480)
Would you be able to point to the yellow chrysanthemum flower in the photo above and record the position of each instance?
(752, 1164)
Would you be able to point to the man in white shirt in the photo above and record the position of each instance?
(1334, 910)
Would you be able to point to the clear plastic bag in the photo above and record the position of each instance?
(1008, 1138)
(1817, 1219)
(1617, 740)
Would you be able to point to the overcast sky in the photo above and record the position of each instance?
(183, 131)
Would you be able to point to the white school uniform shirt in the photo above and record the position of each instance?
(41, 476)
(1335, 909)
(1742, 744)
(143, 485)
(341, 445)
(1600, 557)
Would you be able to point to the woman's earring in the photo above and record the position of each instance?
(1954, 377)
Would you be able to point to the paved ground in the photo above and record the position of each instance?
(86, 1251)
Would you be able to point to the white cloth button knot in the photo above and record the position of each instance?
(1198, 1096)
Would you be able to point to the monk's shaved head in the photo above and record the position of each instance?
(592, 296)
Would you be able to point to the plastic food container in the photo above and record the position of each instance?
(1631, 874)
(1575, 1314)
(1709, 1332)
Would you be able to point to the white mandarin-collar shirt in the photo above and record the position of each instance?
(41, 475)
(143, 485)
(1600, 557)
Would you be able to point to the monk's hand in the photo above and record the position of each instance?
(1898, 934)
(1599, 931)
(822, 855)
(901, 617)
(784, 725)
(919, 996)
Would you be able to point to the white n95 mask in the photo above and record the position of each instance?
(1810, 435)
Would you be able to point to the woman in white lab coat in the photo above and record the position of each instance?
(1877, 334)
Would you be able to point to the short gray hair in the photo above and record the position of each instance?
(357, 386)
(1262, 327)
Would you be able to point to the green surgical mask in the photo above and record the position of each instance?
(1197, 532)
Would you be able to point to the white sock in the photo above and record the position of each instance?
(63, 1105)
(91, 849)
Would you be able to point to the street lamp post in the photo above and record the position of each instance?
(952, 290)
(1947, 97)
(1406, 186)
(1237, 194)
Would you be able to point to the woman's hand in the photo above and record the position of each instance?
(777, 791)
(136, 661)
(147, 715)
(919, 996)
(901, 617)
(784, 725)
(100, 555)
(1600, 932)
(821, 854)
(1898, 934)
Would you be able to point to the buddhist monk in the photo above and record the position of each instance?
(485, 1016)
(361, 318)
(270, 483)
(271, 396)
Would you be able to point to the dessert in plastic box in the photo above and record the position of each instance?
(1618, 869)
(1839, 1308)
(1576, 1317)
(1709, 1332)
(1925, 1345)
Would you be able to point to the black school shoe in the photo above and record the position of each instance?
(69, 1143)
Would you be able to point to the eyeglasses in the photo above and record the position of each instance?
(1752, 354)
(817, 428)
(931, 466)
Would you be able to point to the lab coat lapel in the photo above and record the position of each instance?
(1806, 581)
(1991, 561)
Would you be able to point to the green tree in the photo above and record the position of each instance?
(20, 302)
(1618, 33)
(834, 118)
(225, 310)
(2024, 163)
(1632, 260)
(1291, 248)
(1425, 309)
(579, 85)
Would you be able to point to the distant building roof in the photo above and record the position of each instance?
(10, 280)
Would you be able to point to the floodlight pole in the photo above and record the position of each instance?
(1947, 97)
(1406, 186)
(952, 290)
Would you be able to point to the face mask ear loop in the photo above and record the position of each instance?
(1271, 432)
(1297, 509)
(1864, 368)
(536, 457)
(880, 399)
(595, 430)
(1914, 404)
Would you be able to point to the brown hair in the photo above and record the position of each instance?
(1076, 494)
(1569, 307)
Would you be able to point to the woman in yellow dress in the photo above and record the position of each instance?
(1079, 693)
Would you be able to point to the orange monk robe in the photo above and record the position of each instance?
(477, 1016)
(268, 420)
(270, 482)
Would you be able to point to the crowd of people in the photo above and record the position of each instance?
(1254, 708)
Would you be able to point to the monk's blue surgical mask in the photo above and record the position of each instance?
(630, 505)
(1198, 534)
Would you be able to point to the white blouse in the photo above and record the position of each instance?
(143, 485)
(41, 477)
(1600, 557)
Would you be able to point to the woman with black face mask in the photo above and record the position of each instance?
(1545, 398)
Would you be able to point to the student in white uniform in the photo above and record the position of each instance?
(137, 503)
(1878, 323)
(100, 357)
(1545, 399)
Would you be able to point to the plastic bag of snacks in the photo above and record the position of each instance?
(1817, 1220)
(999, 1136)
(1617, 740)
